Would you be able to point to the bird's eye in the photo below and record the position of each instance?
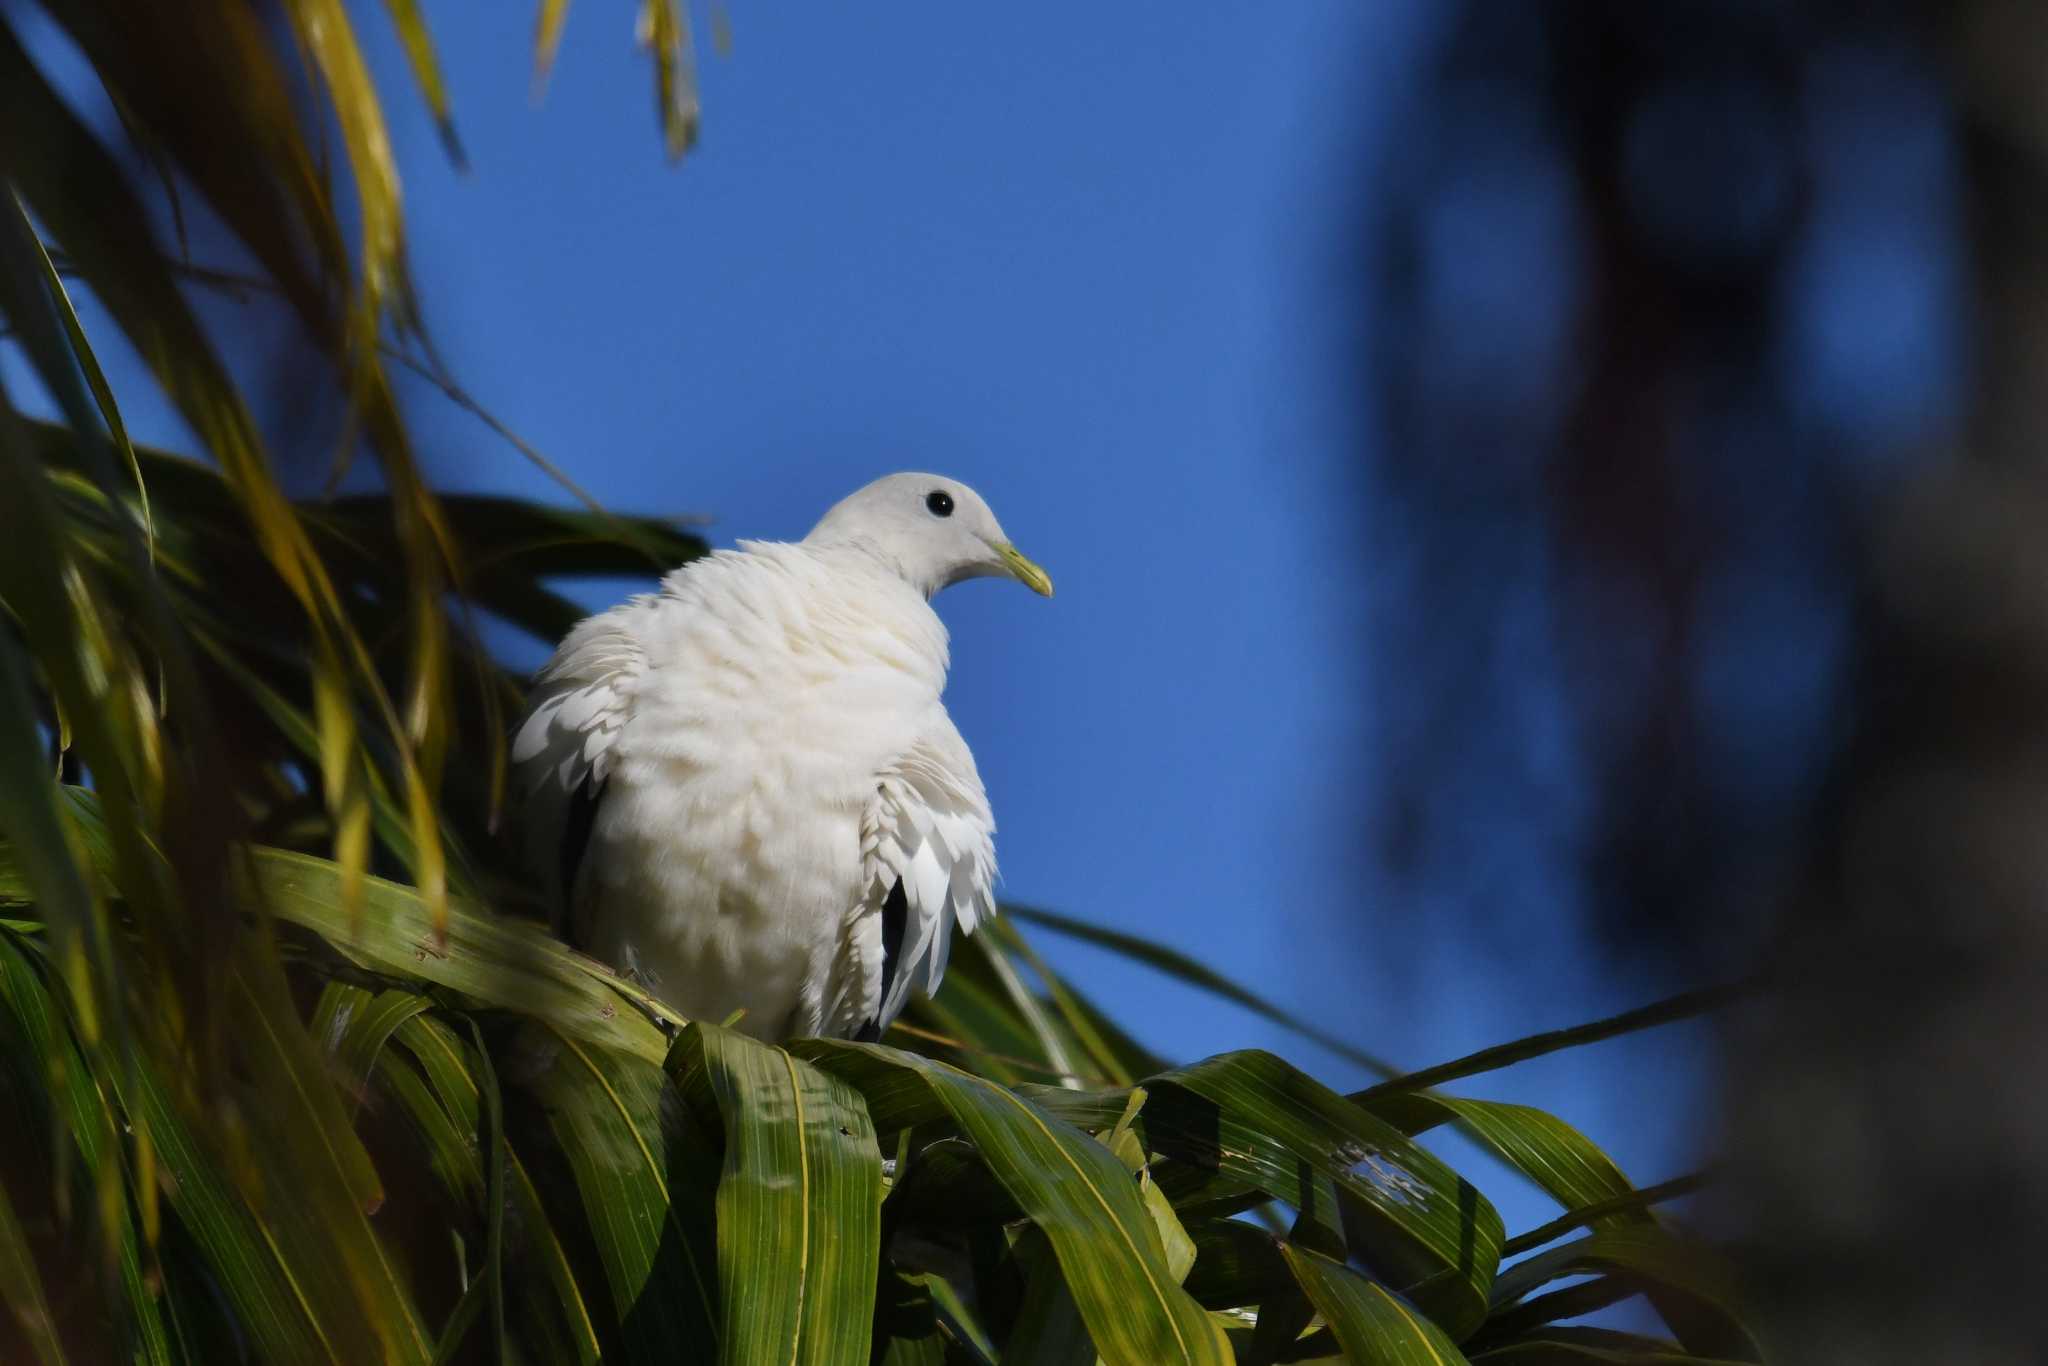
(940, 502)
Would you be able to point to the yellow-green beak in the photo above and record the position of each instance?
(1023, 571)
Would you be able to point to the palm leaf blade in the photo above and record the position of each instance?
(1068, 1185)
(799, 1200)
(1372, 1325)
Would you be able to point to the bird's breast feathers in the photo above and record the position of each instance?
(749, 727)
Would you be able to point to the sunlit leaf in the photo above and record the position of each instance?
(323, 27)
(665, 31)
(547, 40)
(799, 1200)
(426, 70)
(1564, 1162)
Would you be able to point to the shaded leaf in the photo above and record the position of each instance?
(1250, 1119)
(1049, 1326)
(22, 1288)
(1644, 1255)
(1373, 1326)
(645, 1173)
(447, 1112)
(1599, 1212)
(1069, 1185)
(1592, 1347)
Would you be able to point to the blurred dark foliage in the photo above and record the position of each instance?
(1676, 298)
(1714, 387)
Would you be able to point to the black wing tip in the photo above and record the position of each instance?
(895, 919)
(576, 833)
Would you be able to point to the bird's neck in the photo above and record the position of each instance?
(868, 590)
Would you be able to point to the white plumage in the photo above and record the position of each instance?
(728, 780)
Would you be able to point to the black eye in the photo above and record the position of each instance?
(940, 502)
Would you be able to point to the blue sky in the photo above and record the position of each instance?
(1090, 264)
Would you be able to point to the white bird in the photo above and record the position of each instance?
(745, 789)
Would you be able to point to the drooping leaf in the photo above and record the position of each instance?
(447, 1111)
(1048, 1040)
(665, 30)
(646, 1173)
(908, 1329)
(324, 1218)
(1645, 1256)
(102, 391)
(547, 40)
(1586, 1216)
(1373, 1325)
(323, 28)
(426, 71)
(1180, 967)
(1109, 1060)
(249, 1265)
(1250, 1119)
(40, 844)
(494, 960)
(1069, 1185)
(355, 1028)
(22, 1288)
(799, 1200)
(1049, 1325)
(80, 1111)
(1684, 1006)
(1566, 1164)
(1592, 1347)
(78, 192)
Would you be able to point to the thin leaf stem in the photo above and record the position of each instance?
(460, 397)
(1676, 1187)
(1683, 1006)
(1173, 963)
(948, 1041)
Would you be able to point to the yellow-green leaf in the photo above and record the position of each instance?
(799, 1201)
(1374, 1327)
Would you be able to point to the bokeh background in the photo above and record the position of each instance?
(1464, 436)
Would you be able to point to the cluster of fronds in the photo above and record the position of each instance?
(291, 1079)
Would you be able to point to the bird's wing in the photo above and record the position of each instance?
(928, 861)
(564, 749)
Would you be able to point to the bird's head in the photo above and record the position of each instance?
(935, 531)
